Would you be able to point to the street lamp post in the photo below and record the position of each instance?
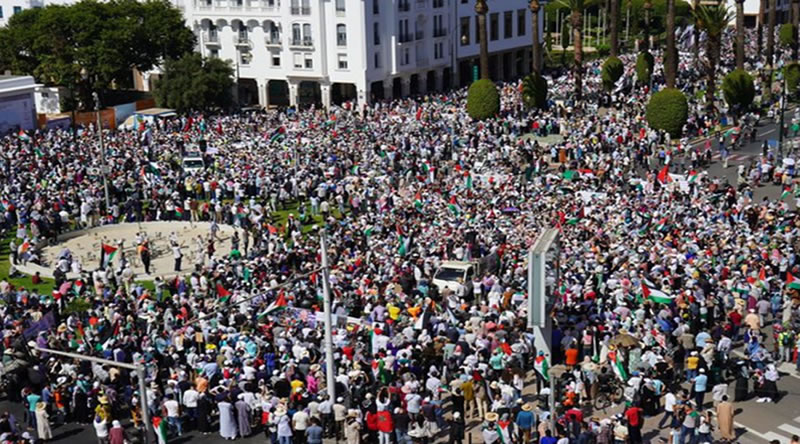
(783, 108)
(104, 166)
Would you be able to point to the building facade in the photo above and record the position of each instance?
(17, 103)
(300, 52)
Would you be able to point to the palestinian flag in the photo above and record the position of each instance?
(762, 277)
(179, 213)
(616, 365)
(786, 193)
(404, 242)
(651, 293)
(661, 224)
(276, 306)
(791, 282)
(418, 201)
(160, 427)
(468, 180)
(663, 175)
(368, 231)
(542, 367)
(24, 247)
(693, 176)
(23, 136)
(107, 254)
(223, 294)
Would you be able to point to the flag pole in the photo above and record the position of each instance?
(330, 366)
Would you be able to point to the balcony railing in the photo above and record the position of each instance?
(405, 37)
(212, 38)
(441, 32)
(404, 6)
(272, 40)
(305, 10)
(304, 42)
(242, 39)
(420, 35)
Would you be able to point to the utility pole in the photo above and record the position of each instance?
(140, 373)
(330, 365)
(783, 108)
(104, 167)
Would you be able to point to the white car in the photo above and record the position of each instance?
(453, 275)
(193, 164)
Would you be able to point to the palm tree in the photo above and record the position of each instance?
(696, 34)
(481, 8)
(671, 58)
(762, 10)
(739, 34)
(795, 23)
(576, 23)
(648, 6)
(613, 27)
(713, 20)
(771, 34)
(537, 47)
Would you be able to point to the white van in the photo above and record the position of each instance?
(192, 164)
(452, 275)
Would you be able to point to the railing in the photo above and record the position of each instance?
(341, 41)
(242, 39)
(272, 40)
(212, 37)
(420, 35)
(305, 42)
(441, 32)
(405, 38)
(404, 6)
(305, 10)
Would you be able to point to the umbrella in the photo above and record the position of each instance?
(625, 340)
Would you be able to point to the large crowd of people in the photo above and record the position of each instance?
(665, 271)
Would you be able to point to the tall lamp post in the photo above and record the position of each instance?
(104, 166)
(783, 108)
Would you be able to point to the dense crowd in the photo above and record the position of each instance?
(664, 270)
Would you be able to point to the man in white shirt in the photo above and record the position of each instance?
(190, 402)
(173, 410)
(670, 400)
(299, 425)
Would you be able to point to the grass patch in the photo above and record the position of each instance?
(44, 288)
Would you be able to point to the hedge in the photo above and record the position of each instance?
(792, 73)
(668, 111)
(483, 101)
(787, 34)
(611, 72)
(644, 67)
(738, 89)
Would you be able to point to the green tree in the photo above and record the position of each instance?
(644, 67)
(611, 72)
(91, 45)
(481, 8)
(787, 35)
(739, 34)
(537, 45)
(792, 73)
(483, 101)
(671, 55)
(534, 91)
(668, 111)
(713, 20)
(576, 21)
(739, 90)
(194, 83)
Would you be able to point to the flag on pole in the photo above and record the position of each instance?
(223, 294)
(468, 180)
(616, 362)
(23, 136)
(179, 213)
(661, 224)
(786, 193)
(107, 254)
(663, 175)
(650, 292)
(791, 282)
(418, 201)
(277, 305)
(160, 426)
(542, 367)
(692, 176)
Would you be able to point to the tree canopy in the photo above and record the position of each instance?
(194, 83)
(91, 45)
(668, 111)
(483, 101)
(738, 89)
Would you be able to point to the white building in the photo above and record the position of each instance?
(17, 104)
(751, 7)
(10, 7)
(289, 52)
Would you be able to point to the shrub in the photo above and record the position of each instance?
(534, 91)
(792, 73)
(603, 49)
(738, 89)
(668, 111)
(611, 72)
(644, 67)
(483, 101)
(787, 34)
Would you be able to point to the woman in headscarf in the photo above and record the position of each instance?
(227, 419)
(43, 422)
(203, 413)
(80, 406)
(243, 413)
(742, 382)
(117, 434)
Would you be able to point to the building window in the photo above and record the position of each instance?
(405, 36)
(477, 30)
(214, 54)
(438, 3)
(494, 26)
(298, 61)
(464, 31)
(376, 33)
(406, 56)
(377, 61)
(309, 62)
(1, 12)
(297, 36)
(521, 22)
(340, 6)
(508, 24)
(307, 40)
(464, 2)
(438, 28)
(341, 35)
(245, 57)
(276, 61)
(438, 50)
(17, 9)
(342, 61)
(375, 8)
(306, 9)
